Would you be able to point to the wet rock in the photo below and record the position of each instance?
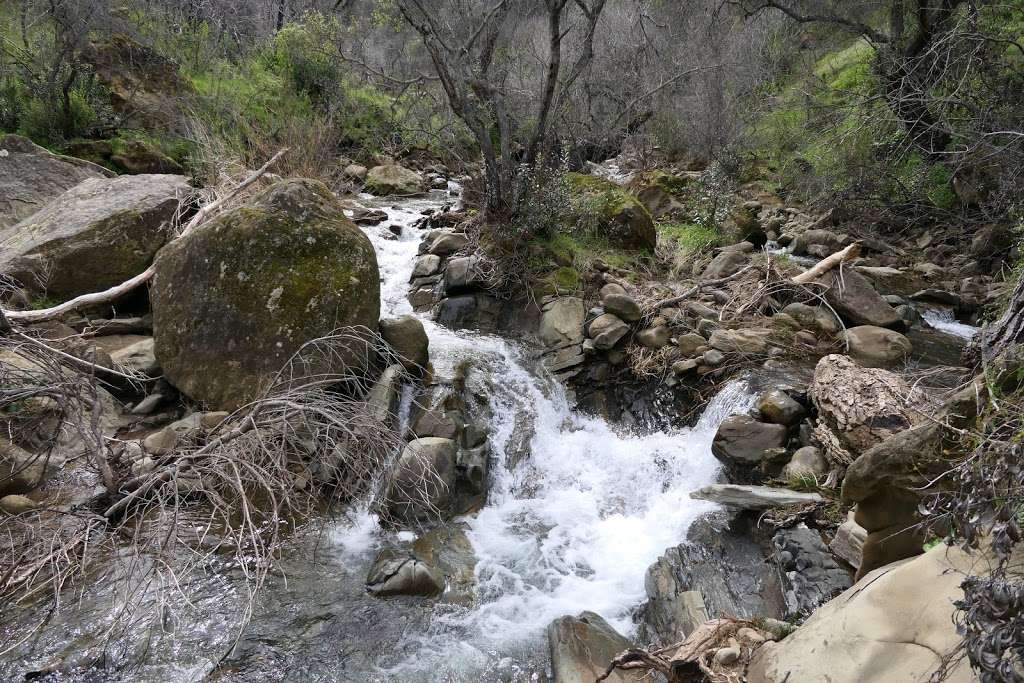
(856, 301)
(441, 416)
(96, 235)
(622, 306)
(877, 347)
(463, 274)
(371, 217)
(235, 299)
(743, 443)
(896, 624)
(745, 341)
(562, 322)
(777, 406)
(806, 462)
(564, 358)
(30, 177)
(606, 331)
(392, 179)
(394, 573)
(654, 337)
(382, 399)
(725, 264)
(17, 505)
(582, 647)
(422, 483)
(810, 576)
(477, 311)
(754, 497)
(449, 553)
(407, 337)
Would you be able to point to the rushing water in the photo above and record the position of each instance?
(944, 320)
(572, 526)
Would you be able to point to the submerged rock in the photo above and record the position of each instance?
(395, 573)
(236, 298)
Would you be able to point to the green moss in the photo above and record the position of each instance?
(606, 198)
(673, 185)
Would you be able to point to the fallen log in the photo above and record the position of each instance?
(827, 264)
(117, 291)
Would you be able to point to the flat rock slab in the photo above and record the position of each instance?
(754, 497)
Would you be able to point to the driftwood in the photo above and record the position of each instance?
(117, 291)
(827, 264)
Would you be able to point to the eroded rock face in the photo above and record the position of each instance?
(30, 177)
(583, 646)
(392, 179)
(96, 235)
(235, 299)
(810, 575)
(895, 624)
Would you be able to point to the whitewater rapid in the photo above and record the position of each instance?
(572, 527)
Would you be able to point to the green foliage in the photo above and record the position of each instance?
(688, 238)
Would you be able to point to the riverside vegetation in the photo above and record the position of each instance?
(517, 340)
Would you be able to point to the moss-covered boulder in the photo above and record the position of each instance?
(619, 216)
(661, 193)
(98, 234)
(235, 299)
(131, 157)
(392, 179)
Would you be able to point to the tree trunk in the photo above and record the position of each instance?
(1008, 331)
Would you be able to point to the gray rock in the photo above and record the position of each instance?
(393, 573)
(426, 265)
(96, 235)
(562, 322)
(392, 179)
(30, 177)
(463, 274)
(856, 301)
(744, 443)
(877, 347)
(810, 575)
(754, 497)
(422, 483)
(613, 288)
(129, 352)
(848, 543)
(681, 367)
(448, 552)
(806, 462)
(777, 406)
(235, 299)
(607, 330)
(689, 343)
(654, 337)
(22, 471)
(713, 358)
(725, 264)
(382, 399)
(622, 306)
(820, 243)
(447, 243)
(17, 505)
(745, 341)
(408, 338)
(582, 647)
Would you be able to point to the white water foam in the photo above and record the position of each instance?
(576, 522)
(944, 320)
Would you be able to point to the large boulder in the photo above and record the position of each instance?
(862, 406)
(392, 179)
(856, 301)
(582, 647)
(408, 338)
(618, 214)
(21, 471)
(98, 234)
(421, 486)
(877, 347)
(895, 624)
(562, 322)
(30, 177)
(743, 444)
(235, 299)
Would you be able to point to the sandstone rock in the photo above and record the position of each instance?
(562, 322)
(96, 235)
(806, 462)
(745, 341)
(895, 624)
(583, 646)
(848, 543)
(447, 243)
(689, 343)
(856, 301)
(407, 337)
(622, 306)
(862, 406)
(725, 264)
(421, 485)
(606, 331)
(776, 406)
(30, 177)
(877, 347)
(393, 573)
(744, 443)
(17, 505)
(236, 298)
(654, 337)
(392, 179)
(754, 497)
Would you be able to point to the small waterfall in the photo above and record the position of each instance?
(944, 320)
